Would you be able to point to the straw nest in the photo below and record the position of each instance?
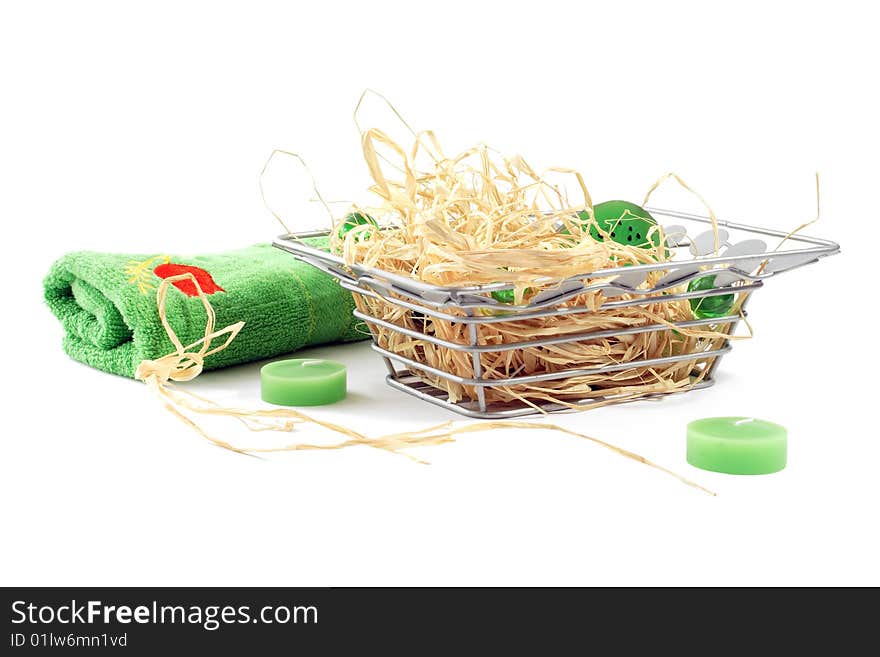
(478, 218)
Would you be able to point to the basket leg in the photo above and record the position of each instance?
(389, 365)
(730, 331)
(478, 366)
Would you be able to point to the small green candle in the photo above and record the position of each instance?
(303, 382)
(737, 445)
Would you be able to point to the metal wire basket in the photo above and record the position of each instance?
(742, 253)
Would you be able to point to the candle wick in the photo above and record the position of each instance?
(744, 421)
(306, 363)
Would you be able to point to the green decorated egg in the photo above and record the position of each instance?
(623, 222)
(507, 296)
(709, 307)
(504, 296)
(353, 220)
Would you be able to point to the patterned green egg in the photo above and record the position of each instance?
(625, 223)
(353, 220)
(504, 296)
(709, 307)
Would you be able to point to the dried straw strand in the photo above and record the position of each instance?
(186, 362)
(479, 218)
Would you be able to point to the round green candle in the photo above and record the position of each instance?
(737, 445)
(303, 382)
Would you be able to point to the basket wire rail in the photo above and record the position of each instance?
(743, 251)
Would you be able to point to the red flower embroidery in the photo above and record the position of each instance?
(186, 286)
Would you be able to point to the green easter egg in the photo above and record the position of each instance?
(504, 296)
(626, 223)
(709, 307)
(507, 296)
(353, 220)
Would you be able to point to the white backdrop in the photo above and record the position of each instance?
(143, 128)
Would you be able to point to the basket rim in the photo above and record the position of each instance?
(336, 266)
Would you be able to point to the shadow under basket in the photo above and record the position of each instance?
(600, 337)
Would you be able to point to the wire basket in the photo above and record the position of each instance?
(408, 343)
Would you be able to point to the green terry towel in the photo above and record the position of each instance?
(107, 305)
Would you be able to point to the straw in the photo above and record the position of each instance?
(479, 218)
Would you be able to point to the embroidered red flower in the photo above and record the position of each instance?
(186, 286)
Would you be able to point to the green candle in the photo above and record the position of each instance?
(303, 382)
(737, 445)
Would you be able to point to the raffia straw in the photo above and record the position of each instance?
(187, 362)
(308, 172)
(479, 218)
(743, 298)
(674, 176)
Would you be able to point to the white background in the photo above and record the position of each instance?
(142, 128)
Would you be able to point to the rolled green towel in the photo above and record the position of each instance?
(107, 305)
